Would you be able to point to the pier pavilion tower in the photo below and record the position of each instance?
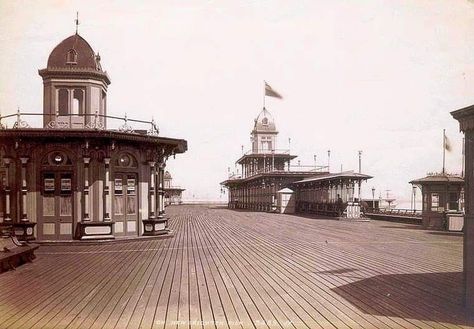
(269, 182)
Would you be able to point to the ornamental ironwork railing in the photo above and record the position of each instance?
(293, 169)
(396, 212)
(268, 152)
(94, 121)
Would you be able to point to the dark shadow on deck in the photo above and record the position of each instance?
(405, 227)
(446, 233)
(423, 296)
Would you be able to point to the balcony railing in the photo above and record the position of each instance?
(396, 212)
(270, 152)
(292, 169)
(78, 121)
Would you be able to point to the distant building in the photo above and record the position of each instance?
(73, 178)
(172, 193)
(269, 182)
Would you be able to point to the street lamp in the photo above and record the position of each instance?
(373, 198)
(414, 198)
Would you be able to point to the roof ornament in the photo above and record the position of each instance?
(96, 123)
(20, 123)
(154, 131)
(77, 22)
(125, 127)
(97, 62)
(2, 126)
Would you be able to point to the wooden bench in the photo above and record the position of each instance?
(14, 253)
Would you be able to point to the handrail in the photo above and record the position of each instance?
(93, 124)
(275, 151)
(398, 212)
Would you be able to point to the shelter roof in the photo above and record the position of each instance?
(439, 178)
(328, 177)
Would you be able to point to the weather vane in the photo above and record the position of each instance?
(77, 21)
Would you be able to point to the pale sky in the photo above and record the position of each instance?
(378, 76)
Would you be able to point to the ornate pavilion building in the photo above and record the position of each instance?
(75, 178)
(269, 182)
(173, 194)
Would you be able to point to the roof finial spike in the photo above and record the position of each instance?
(77, 21)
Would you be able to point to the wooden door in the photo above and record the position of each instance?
(56, 204)
(125, 204)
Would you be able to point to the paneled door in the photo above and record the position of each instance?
(56, 204)
(125, 204)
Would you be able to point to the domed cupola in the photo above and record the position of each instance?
(264, 122)
(75, 86)
(73, 52)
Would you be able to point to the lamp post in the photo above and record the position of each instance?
(414, 198)
(329, 160)
(373, 198)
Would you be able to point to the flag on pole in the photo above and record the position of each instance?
(269, 91)
(447, 143)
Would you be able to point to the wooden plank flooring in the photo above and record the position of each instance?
(233, 269)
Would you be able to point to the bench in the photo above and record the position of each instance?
(14, 253)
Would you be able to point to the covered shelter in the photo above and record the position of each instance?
(335, 194)
(443, 201)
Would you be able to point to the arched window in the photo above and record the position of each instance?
(78, 101)
(265, 121)
(71, 57)
(63, 101)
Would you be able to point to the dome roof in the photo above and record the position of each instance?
(167, 175)
(265, 122)
(75, 52)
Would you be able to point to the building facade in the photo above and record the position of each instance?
(72, 177)
(465, 117)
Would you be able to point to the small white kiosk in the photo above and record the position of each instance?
(286, 201)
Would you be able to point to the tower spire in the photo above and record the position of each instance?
(77, 21)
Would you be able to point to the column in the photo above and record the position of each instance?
(466, 120)
(7, 162)
(24, 189)
(152, 191)
(107, 194)
(86, 189)
(161, 191)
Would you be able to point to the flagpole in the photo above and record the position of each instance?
(444, 149)
(263, 93)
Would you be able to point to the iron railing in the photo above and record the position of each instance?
(396, 212)
(94, 121)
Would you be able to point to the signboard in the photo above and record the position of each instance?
(66, 184)
(118, 185)
(131, 185)
(49, 184)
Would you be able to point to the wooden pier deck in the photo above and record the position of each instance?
(231, 269)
